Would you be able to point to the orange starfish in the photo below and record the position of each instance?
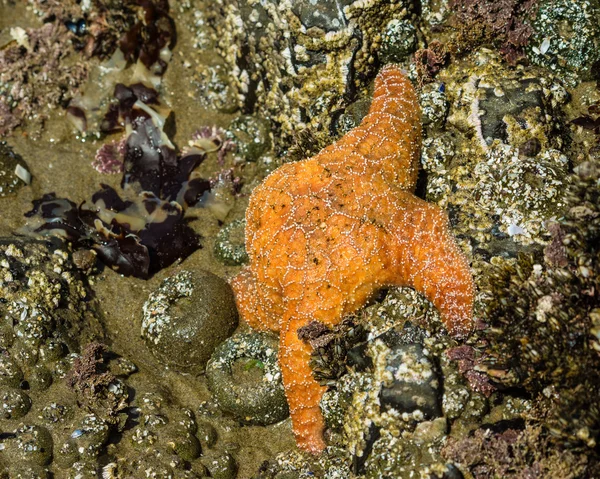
(325, 233)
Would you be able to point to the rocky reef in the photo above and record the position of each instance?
(138, 131)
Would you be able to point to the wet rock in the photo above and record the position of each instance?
(15, 403)
(187, 317)
(64, 365)
(399, 40)
(251, 135)
(416, 385)
(221, 465)
(13, 171)
(52, 350)
(28, 471)
(31, 445)
(80, 399)
(288, 475)
(183, 443)
(216, 89)
(530, 148)
(229, 244)
(352, 116)
(513, 101)
(84, 470)
(327, 16)
(386, 410)
(40, 378)
(429, 431)
(566, 35)
(207, 433)
(162, 467)
(245, 380)
(150, 466)
(122, 367)
(10, 372)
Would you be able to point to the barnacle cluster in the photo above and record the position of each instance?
(498, 164)
(566, 36)
(544, 317)
(297, 63)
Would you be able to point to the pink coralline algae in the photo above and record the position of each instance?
(35, 76)
(467, 364)
(501, 22)
(110, 157)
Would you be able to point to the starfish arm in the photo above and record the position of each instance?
(252, 302)
(432, 263)
(388, 140)
(302, 391)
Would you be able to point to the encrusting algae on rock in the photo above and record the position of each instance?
(326, 233)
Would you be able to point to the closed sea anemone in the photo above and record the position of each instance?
(141, 227)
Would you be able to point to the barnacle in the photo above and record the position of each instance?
(543, 318)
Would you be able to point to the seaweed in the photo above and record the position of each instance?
(154, 31)
(140, 28)
(39, 71)
(142, 228)
(429, 61)
(499, 22)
